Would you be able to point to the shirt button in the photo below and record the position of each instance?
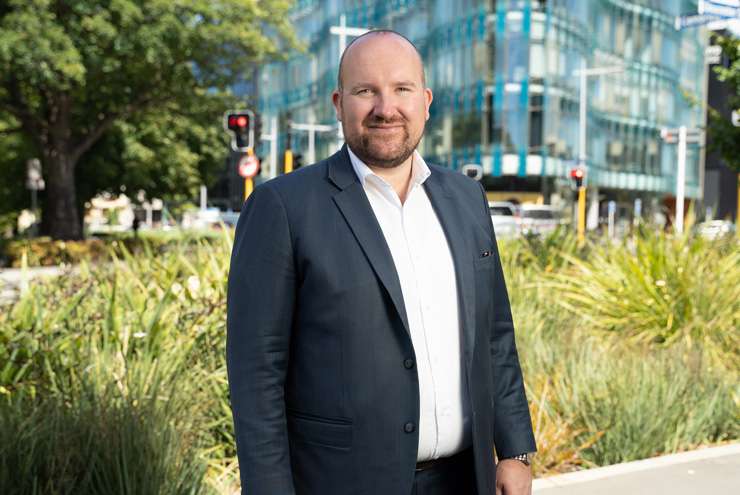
(409, 427)
(408, 363)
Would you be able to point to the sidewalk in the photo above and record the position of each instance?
(713, 471)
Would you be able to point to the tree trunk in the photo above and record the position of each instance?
(60, 218)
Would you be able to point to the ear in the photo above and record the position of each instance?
(428, 97)
(336, 99)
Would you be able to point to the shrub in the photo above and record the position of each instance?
(660, 290)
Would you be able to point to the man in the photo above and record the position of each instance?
(370, 343)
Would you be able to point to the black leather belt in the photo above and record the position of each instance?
(432, 463)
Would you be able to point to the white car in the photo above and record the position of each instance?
(538, 219)
(715, 229)
(503, 216)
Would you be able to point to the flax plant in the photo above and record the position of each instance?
(659, 289)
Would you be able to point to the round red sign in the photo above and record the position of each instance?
(249, 166)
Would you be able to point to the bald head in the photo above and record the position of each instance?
(365, 41)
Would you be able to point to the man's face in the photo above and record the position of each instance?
(382, 104)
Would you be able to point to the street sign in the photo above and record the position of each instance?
(720, 8)
(713, 54)
(671, 135)
(248, 166)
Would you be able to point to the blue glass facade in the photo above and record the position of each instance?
(506, 95)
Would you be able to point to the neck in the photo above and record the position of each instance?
(399, 177)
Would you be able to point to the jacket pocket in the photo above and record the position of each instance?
(328, 432)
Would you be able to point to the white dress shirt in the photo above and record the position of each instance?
(426, 271)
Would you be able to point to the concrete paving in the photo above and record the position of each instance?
(713, 471)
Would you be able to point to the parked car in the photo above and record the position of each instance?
(714, 229)
(538, 219)
(503, 215)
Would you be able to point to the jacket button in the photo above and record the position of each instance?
(408, 363)
(409, 427)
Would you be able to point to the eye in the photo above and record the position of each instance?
(362, 92)
(404, 89)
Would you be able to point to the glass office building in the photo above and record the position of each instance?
(506, 90)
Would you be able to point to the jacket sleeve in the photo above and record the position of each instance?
(260, 298)
(512, 425)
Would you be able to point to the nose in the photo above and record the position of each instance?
(385, 107)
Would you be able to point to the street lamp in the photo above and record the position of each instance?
(681, 136)
(583, 73)
(312, 129)
(343, 32)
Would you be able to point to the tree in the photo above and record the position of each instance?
(725, 137)
(80, 79)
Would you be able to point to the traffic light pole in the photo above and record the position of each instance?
(312, 129)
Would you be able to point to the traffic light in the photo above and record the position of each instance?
(577, 174)
(240, 124)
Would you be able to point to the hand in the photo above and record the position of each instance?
(513, 478)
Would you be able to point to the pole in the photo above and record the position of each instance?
(582, 115)
(681, 179)
(312, 146)
(582, 104)
(581, 215)
(288, 161)
(273, 146)
(610, 222)
(248, 187)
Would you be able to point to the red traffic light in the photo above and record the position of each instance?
(577, 174)
(237, 121)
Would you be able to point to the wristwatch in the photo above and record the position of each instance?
(524, 458)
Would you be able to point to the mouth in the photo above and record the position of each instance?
(381, 128)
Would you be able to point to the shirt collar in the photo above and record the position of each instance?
(419, 169)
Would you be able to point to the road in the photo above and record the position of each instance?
(713, 471)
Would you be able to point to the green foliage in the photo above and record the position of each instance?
(144, 331)
(127, 437)
(724, 137)
(126, 92)
(89, 355)
(44, 251)
(659, 289)
(599, 397)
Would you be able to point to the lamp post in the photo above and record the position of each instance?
(583, 74)
(312, 129)
(343, 32)
(681, 136)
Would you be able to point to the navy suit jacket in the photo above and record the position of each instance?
(324, 391)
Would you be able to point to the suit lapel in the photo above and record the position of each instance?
(355, 207)
(449, 214)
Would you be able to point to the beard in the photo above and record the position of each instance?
(379, 151)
